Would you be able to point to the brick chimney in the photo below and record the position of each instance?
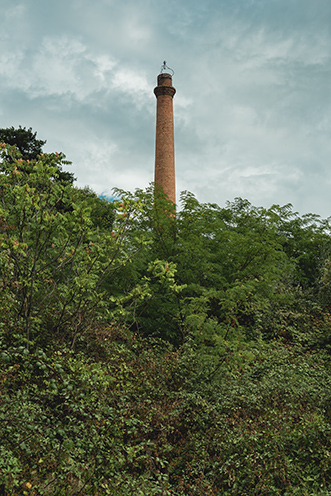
(164, 142)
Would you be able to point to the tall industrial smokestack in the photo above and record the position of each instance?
(164, 142)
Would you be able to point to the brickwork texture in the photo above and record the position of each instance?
(164, 141)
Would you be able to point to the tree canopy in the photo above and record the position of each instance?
(30, 148)
(143, 352)
(25, 141)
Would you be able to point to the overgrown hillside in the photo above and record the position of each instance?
(146, 353)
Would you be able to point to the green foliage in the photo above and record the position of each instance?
(230, 266)
(25, 141)
(148, 420)
(56, 251)
(102, 212)
(149, 352)
(236, 266)
(30, 149)
(306, 241)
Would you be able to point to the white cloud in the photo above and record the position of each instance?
(252, 109)
(104, 66)
(64, 65)
(128, 81)
(54, 69)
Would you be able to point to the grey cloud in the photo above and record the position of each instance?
(252, 109)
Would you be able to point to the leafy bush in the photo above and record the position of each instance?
(150, 418)
(148, 353)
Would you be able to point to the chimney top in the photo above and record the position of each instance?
(164, 79)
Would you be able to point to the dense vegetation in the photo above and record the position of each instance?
(143, 353)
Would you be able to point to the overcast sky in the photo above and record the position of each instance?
(253, 102)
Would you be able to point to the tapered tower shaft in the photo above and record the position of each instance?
(164, 142)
